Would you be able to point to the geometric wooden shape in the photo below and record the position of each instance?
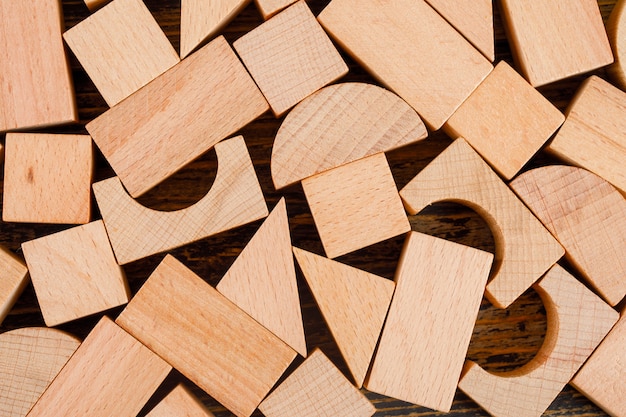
(340, 124)
(269, 8)
(200, 101)
(290, 57)
(13, 280)
(615, 29)
(206, 337)
(47, 178)
(412, 50)
(588, 217)
(316, 388)
(578, 320)
(341, 198)
(94, 5)
(354, 304)
(180, 402)
(262, 281)
(234, 200)
(439, 286)
(505, 120)
(74, 273)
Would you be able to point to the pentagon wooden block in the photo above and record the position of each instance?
(94, 5)
(223, 350)
(615, 28)
(111, 374)
(316, 388)
(505, 120)
(202, 100)
(13, 280)
(290, 57)
(269, 8)
(340, 198)
(578, 320)
(340, 124)
(180, 402)
(525, 249)
(75, 274)
(234, 200)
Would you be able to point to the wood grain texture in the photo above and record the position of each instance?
(13, 280)
(269, 8)
(616, 27)
(180, 402)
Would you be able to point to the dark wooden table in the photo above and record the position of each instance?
(502, 339)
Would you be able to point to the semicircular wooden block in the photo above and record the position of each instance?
(136, 232)
(340, 124)
(578, 320)
(616, 29)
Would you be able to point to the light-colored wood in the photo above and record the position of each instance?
(588, 217)
(180, 402)
(94, 5)
(222, 350)
(439, 286)
(234, 200)
(340, 124)
(615, 28)
(30, 358)
(269, 8)
(111, 374)
(47, 178)
(341, 198)
(552, 40)
(13, 280)
(411, 49)
(262, 281)
(505, 120)
(316, 388)
(578, 320)
(525, 249)
(75, 274)
(200, 101)
(122, 48)
(290, 57)
(354, 304)
(36, 88)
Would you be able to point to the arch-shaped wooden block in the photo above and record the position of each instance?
(136, 231)
(616, 29)
(340, 124)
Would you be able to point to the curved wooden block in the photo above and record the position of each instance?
(136, 231)
(615, 28)
(340, 124)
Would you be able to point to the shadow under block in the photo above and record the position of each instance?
(290, 57)
(525, 249)
(411, 49)
(341, 198)
(615, 28)
(340, 124)
(47, 178)
(505, 120)
(552, 40)
(180, 402)
(201, 101)
(93, 5)
(235, 199)
(13, 280)
(223, 350)
(75, 274)
(578, 320)
(269, 8)
(30, 38)
(439, 287)
(354, 304)
(316, 388)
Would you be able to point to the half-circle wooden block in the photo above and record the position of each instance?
(616, 29)
(340, 124)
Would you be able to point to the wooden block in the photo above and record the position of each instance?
(94, 5)
(13, 280)
(316, 388)
(354, 304)
(340, 198)
(340, 124)
(290, 57)
(234, 200)
(439, 286)
(411, 49)
(223, 350)
(48, 178)
(505, 120)
(578, 320)
(180, 402)
(615, 28)
(525, 250)
(111, 374)
(202, 100)
(552, 40)
(262, 281)
(269, 8)
(75, 274)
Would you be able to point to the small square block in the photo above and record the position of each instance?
(13, 279)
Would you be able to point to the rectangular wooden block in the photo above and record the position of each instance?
(13, 280)
(180, 402)
(269, 8)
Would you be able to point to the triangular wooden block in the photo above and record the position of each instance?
(180, 402)
(354, 304)
(262, 281)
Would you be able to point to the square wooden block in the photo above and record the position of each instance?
(47, 178)
(13, 279)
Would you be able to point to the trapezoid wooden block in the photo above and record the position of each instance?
(616, 27)
(234, 200)
(525, 249)
(269, 8)
(180, 402)
(13, 280)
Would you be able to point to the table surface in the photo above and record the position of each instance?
(502, 339)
